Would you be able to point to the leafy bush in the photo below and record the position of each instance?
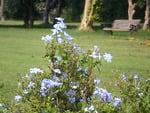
(69, 85)
(135, 93)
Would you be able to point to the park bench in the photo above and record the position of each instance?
(123, 25)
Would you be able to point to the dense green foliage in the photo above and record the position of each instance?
(106, 10)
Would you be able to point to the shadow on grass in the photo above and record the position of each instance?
(36, 26)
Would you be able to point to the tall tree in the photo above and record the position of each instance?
(147, 16)
(50, 5)
(28, 12)
(46, 11)
(131, 9)
(87, 22)
(1, 9)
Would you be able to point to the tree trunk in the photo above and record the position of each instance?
(59, 8)
(1, 9)
(131, 9)
(147, 16)
(46, 12)
(87, 22)
(28, 13)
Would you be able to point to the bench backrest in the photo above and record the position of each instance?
(125, 24)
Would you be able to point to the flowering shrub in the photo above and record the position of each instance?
(135, 93)
(69, 85)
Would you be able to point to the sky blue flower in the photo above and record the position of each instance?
(102, 95)
(67, 36)
(64, 76)
(54, 32)
(59, 25)
(55, 78)
(72, 99)
(108, 97)
(117, 102)
(59, 40)
(43, 92)
(48, 84)
(81, 100)
(123, 77)
(83, 51)
(47, 39)
(70, 92)
(96, 81)
(58, 58)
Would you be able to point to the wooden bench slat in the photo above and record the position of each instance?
(123, 25)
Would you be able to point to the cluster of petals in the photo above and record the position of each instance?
(95, 55)
(107, 57)
(35, 70)
(102, 95)
(47, 39)
(90, 109)
(117, 102)
(47, 84)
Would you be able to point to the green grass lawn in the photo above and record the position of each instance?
(21, 49)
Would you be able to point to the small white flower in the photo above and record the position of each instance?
(25, 91)
(31, 85)
(74, 87)
(107, 57)
(93, 55)
(86, 109)
(136, 77)
(91, 108)
(57, 71)
(35, 70)
(59, 19)
(123, 77)
(140, 94)
(99, 56)
(1, 105)
(18, 98)
(95, 48)
(54, 32)
(19, 84)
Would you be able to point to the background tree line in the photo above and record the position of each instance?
(71, 10)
